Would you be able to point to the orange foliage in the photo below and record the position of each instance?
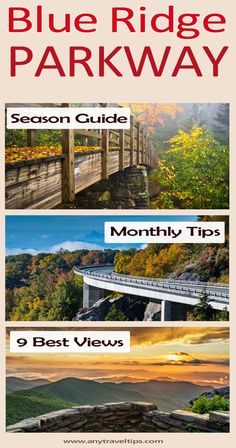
(153, 261)
(152, 114)
(16, 154)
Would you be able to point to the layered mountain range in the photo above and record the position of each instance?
(30, 398)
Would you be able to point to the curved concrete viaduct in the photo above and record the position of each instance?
(160, 291)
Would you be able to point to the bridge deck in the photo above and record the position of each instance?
(48, 181)
(177, 291)
(38, 183)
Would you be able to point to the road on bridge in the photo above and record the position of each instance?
(218, 293)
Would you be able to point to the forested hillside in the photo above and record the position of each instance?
(188, 261)
(44, 286)
(27, 403)
(204, 262)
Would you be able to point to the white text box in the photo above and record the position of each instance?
(164, 232)
(68, 118)
(69, 341)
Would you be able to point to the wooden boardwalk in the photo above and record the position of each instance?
(47, 182)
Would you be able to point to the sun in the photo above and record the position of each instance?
(173, 357)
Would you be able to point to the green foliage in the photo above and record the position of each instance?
(18, 137)
(191, 428)
(193, 172)
(17, 270)
(222, 315)
(203, 310)
(15, 137)
(25, 404)
(65, 300)
(203, 405)
(114, 314)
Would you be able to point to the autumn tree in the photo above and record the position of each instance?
(207, 262)
(122, 260)
(194, 172)
(52, 262)
(153, 114)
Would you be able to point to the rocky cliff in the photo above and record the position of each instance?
(132, 308)
(221, 392)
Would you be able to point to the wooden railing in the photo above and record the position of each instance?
(135, 141)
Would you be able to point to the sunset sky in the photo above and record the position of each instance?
(197, 354)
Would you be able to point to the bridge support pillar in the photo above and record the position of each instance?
(124, 189)
(91, 295)
(165, 310)
(85, 295)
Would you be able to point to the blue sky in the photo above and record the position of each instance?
(34, 234)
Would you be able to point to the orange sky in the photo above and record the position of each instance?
(197, 354)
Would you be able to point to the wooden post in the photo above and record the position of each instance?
(148, 151)
(31, 137)
(145, 145)
(121, 149)
(143, 142)
(68, 174)
(131, 140)
(154, 158)
(138, 143)
(105, 153)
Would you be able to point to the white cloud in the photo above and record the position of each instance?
(73, 245)
(65, 245)
(20, 250)
(143, 246)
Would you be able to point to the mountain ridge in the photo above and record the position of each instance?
(70, 391)
(14, 383)
(168, 395)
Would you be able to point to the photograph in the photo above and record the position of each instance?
(173, 380)
(117, 224)
(174, 156)
(59, 268)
